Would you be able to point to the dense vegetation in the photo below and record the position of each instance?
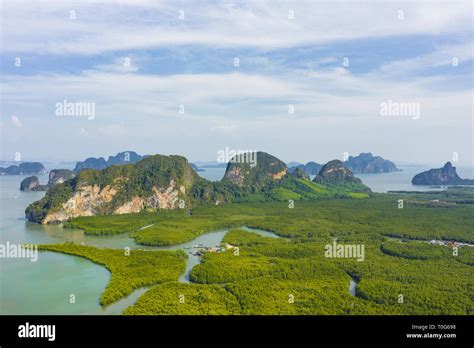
(185, 299)
(401, 273)
(128, 272)
(115, 224)
(320, 285)
(418, 250)
(428, 286)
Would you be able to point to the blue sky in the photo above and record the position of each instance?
(402, 56)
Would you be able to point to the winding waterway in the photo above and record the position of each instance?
(209, 239)
(45, 286)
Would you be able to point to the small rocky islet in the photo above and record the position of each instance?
(446, 175)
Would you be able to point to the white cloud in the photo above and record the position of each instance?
(236, 96)
(119, 65)
(333, 105)
(441, 56)
(101, 26)
(16, 122)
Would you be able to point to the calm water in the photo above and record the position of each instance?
(213, 174)
(402, 180)
(44, 286)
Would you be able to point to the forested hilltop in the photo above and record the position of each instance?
(170, 182)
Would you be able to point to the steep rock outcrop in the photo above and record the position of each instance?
(334, 173)
(31, 183)
(366, 163)
(254, 171)
(157, 182)
(446, 175)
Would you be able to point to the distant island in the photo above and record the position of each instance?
(293, 164)
(310, 168)
(446, 175)
(196, 168)
(25, 168)
(364, 163)
(125, 157)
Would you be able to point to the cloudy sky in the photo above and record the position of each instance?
(303, 80)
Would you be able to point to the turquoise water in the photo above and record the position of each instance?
(45, 286)
(401, 181)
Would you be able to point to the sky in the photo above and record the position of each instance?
(302, 80)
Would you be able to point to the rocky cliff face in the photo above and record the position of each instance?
(161, 198)
(334, 173)
(265, 168)
(366, 163)
(157, 182)
(31, 183)
(446, 175)
(90, 200)
(86, 201)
